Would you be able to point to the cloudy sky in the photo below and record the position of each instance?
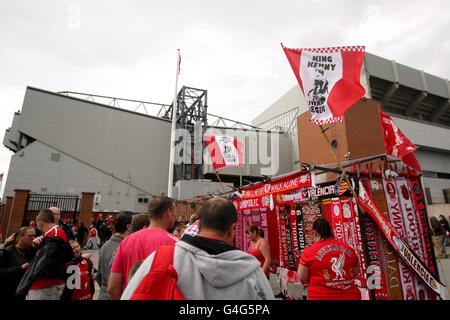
(231, 48)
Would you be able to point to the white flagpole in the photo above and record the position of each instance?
(172, 135)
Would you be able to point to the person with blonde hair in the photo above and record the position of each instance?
(192, 219)
(15, 259)
(194, 227)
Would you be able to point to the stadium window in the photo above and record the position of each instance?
(446, 195)
(428, 195)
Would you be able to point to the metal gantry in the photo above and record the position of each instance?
(192, 115)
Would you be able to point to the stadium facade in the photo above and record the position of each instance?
(67, 144)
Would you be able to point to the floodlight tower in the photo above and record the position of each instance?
(191, 115)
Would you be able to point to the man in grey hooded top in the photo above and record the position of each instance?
(208, 266)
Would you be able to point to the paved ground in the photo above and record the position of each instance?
(297, 291)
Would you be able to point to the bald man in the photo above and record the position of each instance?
(67, 230)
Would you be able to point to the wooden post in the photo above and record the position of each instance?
(223, 189)
(18, 211)
(87, 204)
(340, 167)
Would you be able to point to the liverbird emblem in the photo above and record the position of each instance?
(338, 267)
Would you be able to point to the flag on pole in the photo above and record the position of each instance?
(173, 128)
(329, 79)
(225, 151)
(396, 143)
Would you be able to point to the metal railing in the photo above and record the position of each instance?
(67, 203)
(148, 108)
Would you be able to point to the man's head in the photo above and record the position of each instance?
(140, 221)
(45, 220)
(122, 222)
(56, 213)
(162, 211)
(219, 216)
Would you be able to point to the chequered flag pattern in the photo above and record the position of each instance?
(332, 49)
(328, 121)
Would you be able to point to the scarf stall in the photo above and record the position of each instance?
(394, 248)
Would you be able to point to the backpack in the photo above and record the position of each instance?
(161, 282)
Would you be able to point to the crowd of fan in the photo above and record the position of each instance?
(45, 261)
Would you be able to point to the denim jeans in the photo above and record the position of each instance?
(92, 243)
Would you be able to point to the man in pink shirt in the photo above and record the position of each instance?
(139, 245)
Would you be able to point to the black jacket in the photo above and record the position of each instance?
(67, 230)
(81, 234)
(50, 262)
(445, 224)
(10, 275)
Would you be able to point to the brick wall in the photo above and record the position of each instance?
(359, 133)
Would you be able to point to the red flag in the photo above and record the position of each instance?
(329, 79)
(225, 151)
(396, 143)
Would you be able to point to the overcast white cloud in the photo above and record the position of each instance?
(231, 48)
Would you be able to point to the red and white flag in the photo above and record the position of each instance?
(225, 151)
(329, 79)
(396, 143)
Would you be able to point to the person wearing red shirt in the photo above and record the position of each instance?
(139, 245)
(259, 248)
(92, 242)
(45, 278)
(80, 284)
(329, 267)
